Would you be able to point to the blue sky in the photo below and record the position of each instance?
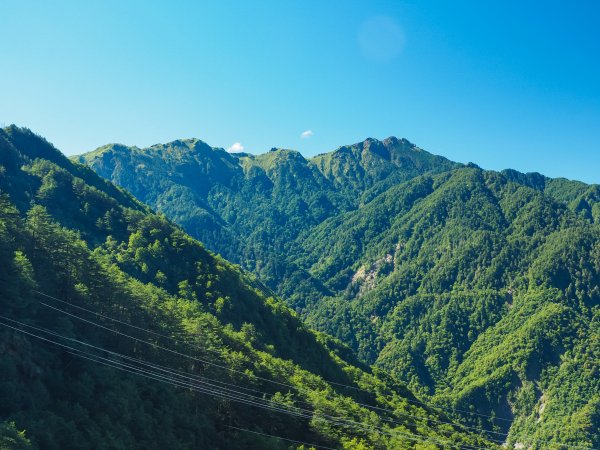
(502, 84)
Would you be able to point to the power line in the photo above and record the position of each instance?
(148, 374)
(120, 355)
(287, 385)
(496, 440)
(247, 399)
(261, 378)
(125, 323)
(178, 383)
(466, 427)
(203, 380)
(165, 348)
(317, 446)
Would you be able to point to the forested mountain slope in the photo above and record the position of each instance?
(478, 289)
(118, 330)
(475, 290)
(251, 209)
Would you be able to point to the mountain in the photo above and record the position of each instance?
(251, 209)
(478, 289)
(119, 330)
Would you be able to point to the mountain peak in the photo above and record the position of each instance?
(277, 153)
(283, 150)
(393, 140)
(192, 145)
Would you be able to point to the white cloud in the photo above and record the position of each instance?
(306, 134)
(236, 148)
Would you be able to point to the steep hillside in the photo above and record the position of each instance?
(474, 290)
(118, 330)
(478, 289)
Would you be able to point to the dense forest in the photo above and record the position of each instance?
(119, 330)
(479, 290)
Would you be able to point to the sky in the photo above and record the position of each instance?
(501, 84)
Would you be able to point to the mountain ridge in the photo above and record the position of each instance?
(460, 281)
